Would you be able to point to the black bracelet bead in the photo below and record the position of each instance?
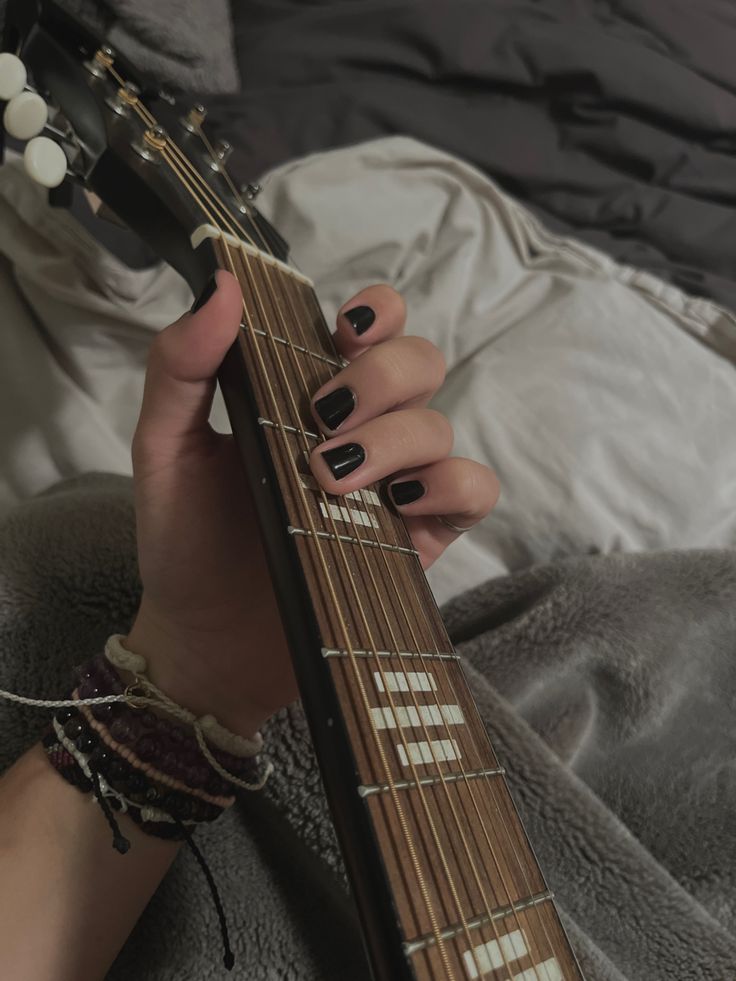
(64, 715)
(116, 771)
(86, 742)
(101, 756)
(74, 728)
(136, 781)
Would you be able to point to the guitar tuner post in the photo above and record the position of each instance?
(193, 120)
(101, 61)
(126, 97)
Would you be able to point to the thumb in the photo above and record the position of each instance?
(182, 366)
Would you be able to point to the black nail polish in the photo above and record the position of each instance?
(361, 318)
(334, 408)
(407, 491)
(342, 460)
(205, 295)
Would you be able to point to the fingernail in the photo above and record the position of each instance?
(360, 319)
(406, 491)
(334, 408)
(205, 294)
(342, 460)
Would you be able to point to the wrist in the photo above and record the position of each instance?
(179, 663)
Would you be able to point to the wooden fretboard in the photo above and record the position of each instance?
(467, 893)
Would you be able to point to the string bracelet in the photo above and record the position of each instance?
(218, 735)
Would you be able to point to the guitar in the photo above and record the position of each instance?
(446, 883)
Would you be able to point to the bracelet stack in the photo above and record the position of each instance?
(142, 754)
(122, 739)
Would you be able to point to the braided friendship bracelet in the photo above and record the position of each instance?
(177, 749)
(120, 657)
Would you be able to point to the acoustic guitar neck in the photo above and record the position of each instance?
(444, 877)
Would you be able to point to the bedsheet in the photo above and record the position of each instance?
(603, 397)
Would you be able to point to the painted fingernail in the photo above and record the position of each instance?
(407, 491)
(205, 295)
(342, 460)
(334, 408)
(361, 318)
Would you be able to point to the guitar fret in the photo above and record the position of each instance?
(384, 546)
(424, 655)
(288, 343)
(474, 923)
(384, 788)
(279, 426)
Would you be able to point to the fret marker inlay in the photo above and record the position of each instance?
(495, 953)
(548, 970)
(409, 681)
(438, 751)
(340, 513)
(408, 716)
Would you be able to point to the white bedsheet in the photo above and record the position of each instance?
(604, 398)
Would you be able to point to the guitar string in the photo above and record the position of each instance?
(291, 465)
(447, 677)
(376, 592)
(183, 156)
(361, 610)
(459, 908)
(147, 116)
(289, 290)
(336, 606)
(518, 861)
(395, 591)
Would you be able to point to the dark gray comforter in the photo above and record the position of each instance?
(615, 121)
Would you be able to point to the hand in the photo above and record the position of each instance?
(208, 623)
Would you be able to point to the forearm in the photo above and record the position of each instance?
(68, 900)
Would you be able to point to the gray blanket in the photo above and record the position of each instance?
(608, 687)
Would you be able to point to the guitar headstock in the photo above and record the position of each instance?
(86, 115)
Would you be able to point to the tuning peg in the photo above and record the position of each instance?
(25, 115)
(222, 150)
(251, 191)
(13, 76)
(45, 161)
(194, 118)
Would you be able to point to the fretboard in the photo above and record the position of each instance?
(466, 891)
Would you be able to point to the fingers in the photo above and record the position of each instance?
(403, 372)
(371, 316)
(379, 447)
(181, 372)
(463, 491)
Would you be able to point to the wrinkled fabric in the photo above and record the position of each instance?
(612, 121)
(185, 45)
(603, 397)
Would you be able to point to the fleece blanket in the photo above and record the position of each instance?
(607, 685)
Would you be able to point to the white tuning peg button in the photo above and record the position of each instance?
(25, 115)
(12, 76)
(45, 161)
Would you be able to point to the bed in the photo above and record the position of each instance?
(551, 187)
